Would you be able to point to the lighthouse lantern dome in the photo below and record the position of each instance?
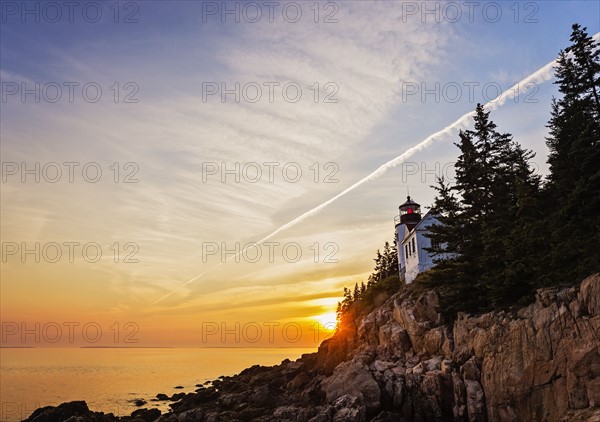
(410, 212)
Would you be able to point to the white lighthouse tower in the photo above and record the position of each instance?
(411, 232)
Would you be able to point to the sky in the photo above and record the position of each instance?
(149, 146)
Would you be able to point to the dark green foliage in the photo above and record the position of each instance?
(573, 189)
(509, 234)
(383, 281)
(482, 217)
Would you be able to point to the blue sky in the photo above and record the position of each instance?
(369, 57)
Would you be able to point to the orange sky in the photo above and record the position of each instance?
(150, 181)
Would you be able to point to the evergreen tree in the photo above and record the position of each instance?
(379, 267)
(382, 282)
(387, 261)
(393, 258)
(356, 292)
(573, 188)
(453, 273)
(479, 227)
(347, 297)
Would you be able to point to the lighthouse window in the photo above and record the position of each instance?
(406, 249)
(413, 245)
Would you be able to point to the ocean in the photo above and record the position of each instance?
(109, 379)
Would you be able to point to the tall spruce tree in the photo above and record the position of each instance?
(480, 226)
(387, 261)
(453, 274)
(394, 268)
(573, 188)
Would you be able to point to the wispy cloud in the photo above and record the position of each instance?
(171, 211)
(171, 132)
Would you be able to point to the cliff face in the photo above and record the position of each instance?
(540, 363)
(402, 363)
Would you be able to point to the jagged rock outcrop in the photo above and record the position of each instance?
(401, 362)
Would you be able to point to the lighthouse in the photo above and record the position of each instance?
(411, 236)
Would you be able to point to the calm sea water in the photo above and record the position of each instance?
(107, 379)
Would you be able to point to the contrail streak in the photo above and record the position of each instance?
(543, 74)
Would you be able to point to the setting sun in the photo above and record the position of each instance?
(328, 321)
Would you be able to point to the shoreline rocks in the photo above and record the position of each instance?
(401, 362)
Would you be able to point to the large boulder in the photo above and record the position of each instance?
(589, 295)
(63, 412)
(353, 379)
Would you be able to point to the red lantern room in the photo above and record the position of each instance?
(410, 213)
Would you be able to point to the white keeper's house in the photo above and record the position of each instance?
(412, 242)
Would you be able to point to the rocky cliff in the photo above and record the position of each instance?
(401, 362)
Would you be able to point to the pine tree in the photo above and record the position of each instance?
(573, 188)
(382, 282)
(394, 252)
(387, 261)
(520, 229)
(379, 267)
(347, 298)
(478, 225)
(453, 274)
